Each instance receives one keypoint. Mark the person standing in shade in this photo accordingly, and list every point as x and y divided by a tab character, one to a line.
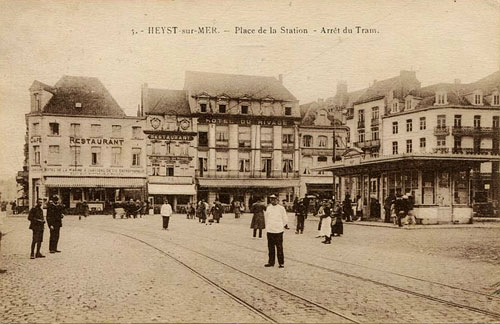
166	212
54	220
37	224
276	222
258	221
337	225
359	208
301	213
347	208
387	208
399	207
2	233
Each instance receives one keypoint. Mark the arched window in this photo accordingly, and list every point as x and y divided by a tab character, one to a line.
307	141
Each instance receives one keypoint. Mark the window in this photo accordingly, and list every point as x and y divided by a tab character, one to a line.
95	130
394	147
394	127
203	107
477	121
457	121
54	154
441	98
221	164
74	129
322	159
116	131
38	103
307	140
441	121
288	138
36	154
116	156
155	169
36	129
496	99
408	104
136	156
361	118
423	124
221	135
203	164
136	132
441	141
478	99
395	106
287	165
244	110
75	155
409	125
54	129
244	136
96	155
202	139
375	133
361	135
457	142
169	170
375	113
184	147
155	148
266	137
244	165
496	122
322	141
409	146
422	143
288	111
222	109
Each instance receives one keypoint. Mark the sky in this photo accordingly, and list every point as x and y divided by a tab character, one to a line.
43	40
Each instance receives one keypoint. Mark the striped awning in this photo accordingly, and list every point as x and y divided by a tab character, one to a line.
88	182
171	189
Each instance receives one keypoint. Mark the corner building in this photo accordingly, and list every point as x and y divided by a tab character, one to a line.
247	129
81	145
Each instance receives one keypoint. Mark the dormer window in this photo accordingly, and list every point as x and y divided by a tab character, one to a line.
441	98
203	107
478	97
288	111
408	104
395	106
38	102
244	110
496	99
222	108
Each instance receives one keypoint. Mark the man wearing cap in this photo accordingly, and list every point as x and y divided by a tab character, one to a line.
276	222
54	220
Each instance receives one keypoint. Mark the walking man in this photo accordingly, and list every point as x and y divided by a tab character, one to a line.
37	224
258	221
276	223
54	220
166	212
301	213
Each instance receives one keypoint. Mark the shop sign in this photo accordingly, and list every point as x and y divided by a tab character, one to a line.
171	137
244	121
95	141
35	139
100	172
352	161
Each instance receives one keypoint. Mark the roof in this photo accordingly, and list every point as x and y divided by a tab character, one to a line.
379	89
308	112
88	91
236	86
166	102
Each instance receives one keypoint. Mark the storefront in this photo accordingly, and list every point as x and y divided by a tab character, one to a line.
439	185
178	195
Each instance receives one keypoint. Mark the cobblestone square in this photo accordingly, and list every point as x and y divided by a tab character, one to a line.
130	270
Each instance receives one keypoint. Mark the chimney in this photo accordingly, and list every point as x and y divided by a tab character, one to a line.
144	95
280	77
408	75
341	88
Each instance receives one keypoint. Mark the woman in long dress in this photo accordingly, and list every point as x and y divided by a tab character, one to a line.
326	223
258	221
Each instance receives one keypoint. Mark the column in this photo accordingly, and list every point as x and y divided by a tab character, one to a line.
233	151
211	151
277	153
255	153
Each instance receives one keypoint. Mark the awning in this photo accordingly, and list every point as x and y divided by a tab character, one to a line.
85	182
171	189
248	183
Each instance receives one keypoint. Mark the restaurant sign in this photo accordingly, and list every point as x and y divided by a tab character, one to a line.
97	172
171	137
95	141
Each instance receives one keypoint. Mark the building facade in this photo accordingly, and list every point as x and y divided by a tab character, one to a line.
82	146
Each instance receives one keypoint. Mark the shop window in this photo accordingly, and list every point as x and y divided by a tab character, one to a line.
116	131
116	156
77	194
54	154
54	129
36	154
136	156
170	170
307	140
461	191
96	155
423	124
75	155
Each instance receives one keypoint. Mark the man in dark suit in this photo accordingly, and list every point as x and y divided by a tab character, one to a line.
37	224
54	220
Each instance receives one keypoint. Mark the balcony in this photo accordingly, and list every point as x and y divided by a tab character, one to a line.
221	143
441	150
441	131
244	144
375	122
266	144
248	175
287	146
368	144
474	131
361	124
475	151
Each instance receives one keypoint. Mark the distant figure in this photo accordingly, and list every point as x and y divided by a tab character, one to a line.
347	208
2	232
301	214
399	207
321	214
326	223
258	221
387	208
37	224
217	210
237	209
54	220
359	208
190	211
276	222
85	210
14	208
411	213
166	212
201	212
337	225
139	207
